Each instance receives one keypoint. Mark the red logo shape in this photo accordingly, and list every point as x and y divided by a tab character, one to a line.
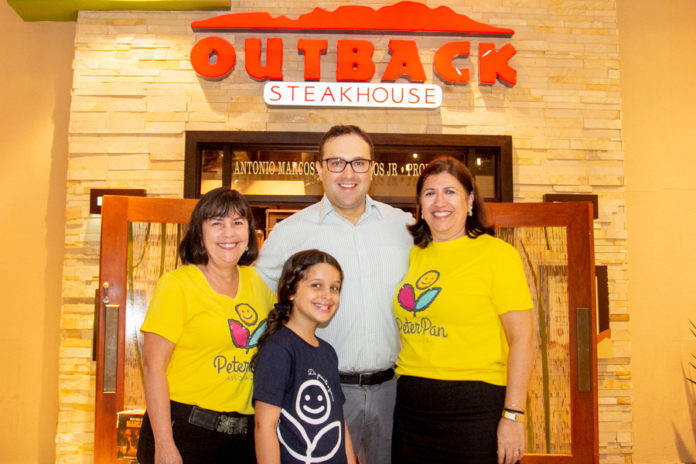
402	17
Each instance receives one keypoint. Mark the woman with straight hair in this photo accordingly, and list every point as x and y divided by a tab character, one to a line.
201	330
463	310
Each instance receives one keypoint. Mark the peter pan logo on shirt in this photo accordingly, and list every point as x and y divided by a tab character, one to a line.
241	337
407	295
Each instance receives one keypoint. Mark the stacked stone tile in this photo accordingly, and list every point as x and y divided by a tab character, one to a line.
135	93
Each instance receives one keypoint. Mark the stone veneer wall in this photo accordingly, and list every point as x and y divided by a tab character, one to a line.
135	93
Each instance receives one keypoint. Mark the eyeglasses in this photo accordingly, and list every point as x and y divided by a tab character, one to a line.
359	165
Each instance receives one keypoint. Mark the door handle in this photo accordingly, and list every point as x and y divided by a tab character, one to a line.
110	346
583	326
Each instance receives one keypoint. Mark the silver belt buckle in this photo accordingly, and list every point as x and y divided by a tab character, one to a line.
360	378
233	425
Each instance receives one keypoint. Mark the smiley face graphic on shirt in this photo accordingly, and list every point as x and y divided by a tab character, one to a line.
312	407
427	280
312	404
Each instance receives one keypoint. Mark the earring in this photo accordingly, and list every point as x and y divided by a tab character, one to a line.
471	212
422	217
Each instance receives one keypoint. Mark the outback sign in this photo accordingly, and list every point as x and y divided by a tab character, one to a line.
213	57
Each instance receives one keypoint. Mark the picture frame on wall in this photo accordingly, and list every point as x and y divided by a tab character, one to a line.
274	216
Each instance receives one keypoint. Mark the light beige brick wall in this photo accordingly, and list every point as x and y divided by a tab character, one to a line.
135	93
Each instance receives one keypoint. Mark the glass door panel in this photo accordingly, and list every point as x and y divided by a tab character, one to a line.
545	259
152	251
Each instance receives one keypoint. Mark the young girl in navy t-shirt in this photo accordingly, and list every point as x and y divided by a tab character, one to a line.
297	391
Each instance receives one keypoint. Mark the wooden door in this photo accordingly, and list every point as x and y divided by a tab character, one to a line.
139	242
556	245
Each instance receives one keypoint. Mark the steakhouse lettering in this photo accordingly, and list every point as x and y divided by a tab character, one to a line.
352	94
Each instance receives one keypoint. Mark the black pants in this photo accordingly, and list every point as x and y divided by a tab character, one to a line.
446	421
198	445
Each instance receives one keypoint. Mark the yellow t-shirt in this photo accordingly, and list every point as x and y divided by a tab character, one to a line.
448	309
215	336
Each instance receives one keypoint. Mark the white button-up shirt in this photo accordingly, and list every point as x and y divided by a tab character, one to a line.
374	257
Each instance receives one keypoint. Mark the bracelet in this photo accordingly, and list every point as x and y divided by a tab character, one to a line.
516	411
513	416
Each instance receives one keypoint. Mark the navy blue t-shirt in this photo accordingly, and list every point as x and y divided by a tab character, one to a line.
303	381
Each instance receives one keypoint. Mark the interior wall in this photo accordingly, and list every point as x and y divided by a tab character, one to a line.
658	85
34	110
135	94
659	96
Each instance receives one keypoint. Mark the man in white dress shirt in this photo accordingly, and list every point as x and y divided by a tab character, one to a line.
370	241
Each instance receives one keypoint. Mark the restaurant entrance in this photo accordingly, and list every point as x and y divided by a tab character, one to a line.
276	172
139	244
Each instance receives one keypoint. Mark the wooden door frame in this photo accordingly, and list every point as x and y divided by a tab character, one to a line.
118	211
577	218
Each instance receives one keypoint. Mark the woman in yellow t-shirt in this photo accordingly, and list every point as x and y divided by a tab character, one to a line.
201	330
463	313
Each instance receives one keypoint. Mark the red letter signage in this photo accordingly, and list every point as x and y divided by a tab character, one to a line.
492	63
404	62
274	58
354	62
443	62
312	52
213	57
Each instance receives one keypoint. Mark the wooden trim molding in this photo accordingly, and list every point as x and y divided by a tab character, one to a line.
66	10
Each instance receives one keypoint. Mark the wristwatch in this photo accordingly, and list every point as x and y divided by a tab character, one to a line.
516	416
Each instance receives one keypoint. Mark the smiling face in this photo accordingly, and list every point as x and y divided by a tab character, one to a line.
225	239
246	314
427	279
346	190
316	299
445	205
312	404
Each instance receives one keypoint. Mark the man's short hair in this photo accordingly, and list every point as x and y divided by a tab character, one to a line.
344	129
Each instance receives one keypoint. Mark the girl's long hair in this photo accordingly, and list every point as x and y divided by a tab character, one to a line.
294	270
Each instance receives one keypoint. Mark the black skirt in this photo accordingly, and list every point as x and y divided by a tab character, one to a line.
446	421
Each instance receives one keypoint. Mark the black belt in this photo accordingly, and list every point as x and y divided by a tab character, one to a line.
367	378
231	423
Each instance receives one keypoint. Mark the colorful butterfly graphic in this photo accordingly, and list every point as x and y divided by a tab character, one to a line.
407	295
241	337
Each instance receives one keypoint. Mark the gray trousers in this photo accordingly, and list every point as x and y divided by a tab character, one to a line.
369	413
